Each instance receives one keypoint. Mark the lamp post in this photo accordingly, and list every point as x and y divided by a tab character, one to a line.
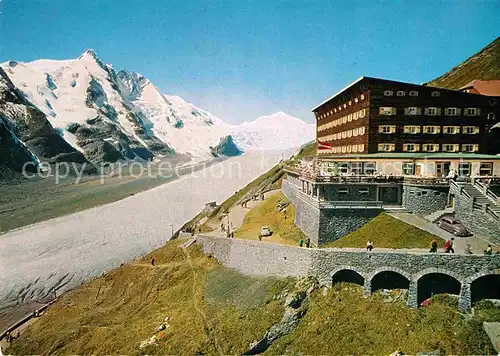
172	231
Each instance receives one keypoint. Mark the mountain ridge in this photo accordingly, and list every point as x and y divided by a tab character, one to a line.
483	65
109	116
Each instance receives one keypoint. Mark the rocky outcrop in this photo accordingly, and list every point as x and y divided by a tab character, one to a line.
226	147
13	154
30	127
295	309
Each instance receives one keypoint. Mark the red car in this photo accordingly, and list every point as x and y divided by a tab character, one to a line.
453	225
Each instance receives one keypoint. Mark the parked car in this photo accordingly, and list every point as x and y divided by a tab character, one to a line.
453	225
265	231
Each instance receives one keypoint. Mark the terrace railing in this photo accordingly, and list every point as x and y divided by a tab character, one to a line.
351	204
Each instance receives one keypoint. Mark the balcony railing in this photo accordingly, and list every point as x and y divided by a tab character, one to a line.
351	204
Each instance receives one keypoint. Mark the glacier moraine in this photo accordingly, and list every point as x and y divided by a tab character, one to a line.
67	251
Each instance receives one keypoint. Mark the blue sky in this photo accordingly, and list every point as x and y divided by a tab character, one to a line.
243	59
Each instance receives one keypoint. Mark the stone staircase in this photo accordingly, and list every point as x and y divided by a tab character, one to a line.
481	200
435	216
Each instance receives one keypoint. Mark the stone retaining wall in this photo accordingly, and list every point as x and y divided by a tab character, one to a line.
324	225
423	201
266	259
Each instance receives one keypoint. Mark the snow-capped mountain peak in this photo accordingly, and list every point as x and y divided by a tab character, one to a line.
275	131
109	116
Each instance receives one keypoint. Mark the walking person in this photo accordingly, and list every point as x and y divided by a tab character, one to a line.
308	242
369	246
434	246
488	250
301	242
452	250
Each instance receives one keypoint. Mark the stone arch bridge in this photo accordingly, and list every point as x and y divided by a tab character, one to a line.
471	277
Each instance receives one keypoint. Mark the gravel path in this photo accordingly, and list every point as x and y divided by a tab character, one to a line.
66	251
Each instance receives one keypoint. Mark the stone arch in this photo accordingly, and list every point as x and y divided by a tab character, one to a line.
349	274
484	285
434	270
433	281
389	278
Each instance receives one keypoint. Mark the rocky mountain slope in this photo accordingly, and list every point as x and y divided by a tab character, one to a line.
484	65
89	113
27	136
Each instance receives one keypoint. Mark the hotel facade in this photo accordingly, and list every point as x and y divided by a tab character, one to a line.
394	146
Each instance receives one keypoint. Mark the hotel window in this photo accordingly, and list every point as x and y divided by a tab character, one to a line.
387	129
369	167
386	147
355	132
451	111
343	134
356	100
471	130
469	147
344	106
350	103
432	111
464	169
388	93
411	147
491	116
362	96
344	119
449	147
385	110
413	93
363	191
408	168
411	129
430	147
435	94
432	129
340	108
361	148
343	191
362	130
362	113
451	130
486	169
349	148
400	93
349	133
349	117
471	112
412	110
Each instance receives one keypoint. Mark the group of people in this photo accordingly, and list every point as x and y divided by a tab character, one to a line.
307	242
448	246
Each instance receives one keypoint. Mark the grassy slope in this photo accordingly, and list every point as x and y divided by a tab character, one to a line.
215	310
343	322
484	65
389	232
284	230
114	313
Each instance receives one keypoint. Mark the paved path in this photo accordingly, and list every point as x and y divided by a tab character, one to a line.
477	244
237	214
